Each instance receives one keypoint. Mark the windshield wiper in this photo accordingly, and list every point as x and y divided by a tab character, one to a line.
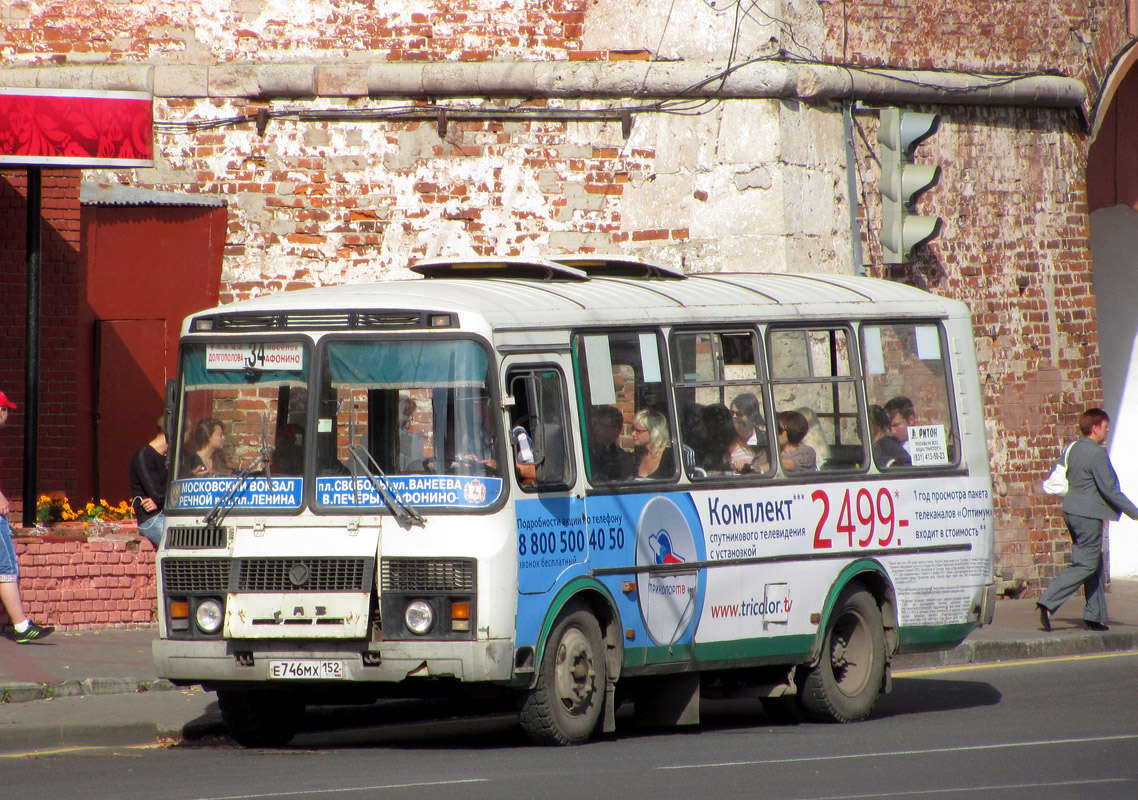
225	502
404	513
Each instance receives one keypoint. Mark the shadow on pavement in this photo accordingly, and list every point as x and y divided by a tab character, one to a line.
922	695
431	724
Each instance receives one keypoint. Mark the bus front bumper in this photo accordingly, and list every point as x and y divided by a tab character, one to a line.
280	662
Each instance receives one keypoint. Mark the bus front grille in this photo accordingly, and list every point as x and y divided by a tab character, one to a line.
185	538
192	575
221	575
304	574
428	575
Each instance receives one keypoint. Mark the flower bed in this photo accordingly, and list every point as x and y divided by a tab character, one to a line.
86	575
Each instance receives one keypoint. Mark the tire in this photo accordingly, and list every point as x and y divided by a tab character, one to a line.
844	685
565	705
261	718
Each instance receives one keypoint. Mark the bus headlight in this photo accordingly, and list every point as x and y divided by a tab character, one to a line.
419	617
208	616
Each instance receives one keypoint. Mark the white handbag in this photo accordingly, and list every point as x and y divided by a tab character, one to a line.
1056	482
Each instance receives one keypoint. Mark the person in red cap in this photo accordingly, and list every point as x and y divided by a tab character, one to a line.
26	630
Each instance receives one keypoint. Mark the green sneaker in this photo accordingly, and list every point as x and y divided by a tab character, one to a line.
33	633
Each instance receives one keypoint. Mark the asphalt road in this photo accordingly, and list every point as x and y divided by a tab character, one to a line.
1042	729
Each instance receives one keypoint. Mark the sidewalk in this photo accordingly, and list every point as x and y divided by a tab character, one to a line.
100	687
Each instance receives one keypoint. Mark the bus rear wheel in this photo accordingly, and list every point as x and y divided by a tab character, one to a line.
261	718
565	705
844	685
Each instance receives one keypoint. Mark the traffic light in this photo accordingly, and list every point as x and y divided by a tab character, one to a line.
902	182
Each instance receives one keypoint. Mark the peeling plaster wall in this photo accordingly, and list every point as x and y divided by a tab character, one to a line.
208	31
701	29
750	184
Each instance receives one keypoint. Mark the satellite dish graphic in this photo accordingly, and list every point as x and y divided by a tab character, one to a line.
667	600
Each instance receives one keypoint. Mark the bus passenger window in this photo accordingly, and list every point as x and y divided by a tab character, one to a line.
907	378
815	395
721	404
621	381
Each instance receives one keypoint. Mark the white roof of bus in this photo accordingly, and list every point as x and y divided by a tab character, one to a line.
534	303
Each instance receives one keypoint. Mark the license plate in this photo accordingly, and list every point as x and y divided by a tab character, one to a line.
306	670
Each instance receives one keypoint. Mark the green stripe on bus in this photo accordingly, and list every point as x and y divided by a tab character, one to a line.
785	649
942	636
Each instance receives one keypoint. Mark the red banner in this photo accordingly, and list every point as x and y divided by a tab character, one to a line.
41	127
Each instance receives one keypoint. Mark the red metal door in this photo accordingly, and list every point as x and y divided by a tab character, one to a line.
131	363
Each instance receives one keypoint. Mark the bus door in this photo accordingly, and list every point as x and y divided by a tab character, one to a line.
553	542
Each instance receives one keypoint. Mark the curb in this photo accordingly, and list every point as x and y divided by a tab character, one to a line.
50	737
26	692
1036	647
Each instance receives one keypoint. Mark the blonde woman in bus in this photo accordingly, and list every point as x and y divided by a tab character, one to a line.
815	437
652	444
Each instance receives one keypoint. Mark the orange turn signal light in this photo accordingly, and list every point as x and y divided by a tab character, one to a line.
460	616
179	609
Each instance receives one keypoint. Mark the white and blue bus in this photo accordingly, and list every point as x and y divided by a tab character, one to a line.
551	478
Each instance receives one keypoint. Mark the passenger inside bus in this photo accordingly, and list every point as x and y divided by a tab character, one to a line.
747	416
207	450
902	414
886	449
815	437
524	464
653	446
795	455
607	461
724	450
411	458
692	437
288	455
482	456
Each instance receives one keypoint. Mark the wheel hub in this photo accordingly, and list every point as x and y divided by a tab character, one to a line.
575	672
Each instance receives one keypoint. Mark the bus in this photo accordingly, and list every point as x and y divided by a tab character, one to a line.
568	482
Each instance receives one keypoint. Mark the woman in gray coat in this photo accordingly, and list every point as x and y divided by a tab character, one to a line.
1093	495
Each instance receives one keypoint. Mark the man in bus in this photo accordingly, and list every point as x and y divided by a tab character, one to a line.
607	461
902	414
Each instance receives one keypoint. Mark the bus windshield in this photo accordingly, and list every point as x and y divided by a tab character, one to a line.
243	411
416	415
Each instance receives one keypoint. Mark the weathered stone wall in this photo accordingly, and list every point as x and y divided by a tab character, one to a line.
728	184
747	185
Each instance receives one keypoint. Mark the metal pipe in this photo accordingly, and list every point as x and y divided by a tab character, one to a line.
851	187
34	257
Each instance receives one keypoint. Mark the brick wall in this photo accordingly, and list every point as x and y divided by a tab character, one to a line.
1022	35
460	30
1016	250
96	583
60	296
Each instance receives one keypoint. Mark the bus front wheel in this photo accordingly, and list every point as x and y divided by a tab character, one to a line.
844	685
261	718
565	705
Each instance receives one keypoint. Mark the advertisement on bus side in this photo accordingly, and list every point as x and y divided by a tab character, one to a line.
731	564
